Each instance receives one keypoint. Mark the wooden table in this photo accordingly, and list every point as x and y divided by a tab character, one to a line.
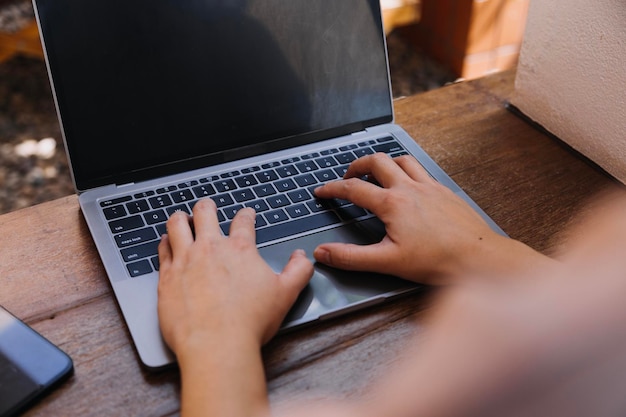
51	276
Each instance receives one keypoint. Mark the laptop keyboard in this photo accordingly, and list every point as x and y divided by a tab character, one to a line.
281	192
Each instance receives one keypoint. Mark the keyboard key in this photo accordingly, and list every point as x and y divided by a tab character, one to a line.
142	267
341	171
135	237
388	147
287	171
210	178
337	202
310	155
246	181
187	184
270	165
307	166
243	195
317	205
385	139
290	160
351	211
230	212
157	216
258	205
137	206
276	216
181	196
264	190
296	211
363	151
277	201
192	203
114	212
326	162
167	189
267	175
285	185
223	200
160	201
155	262
345	158
225	185
326	175
203	190
250	170
296	226
115	201
140	251
230	174
144	194
180	207
305	180
125	224
161	229
299	196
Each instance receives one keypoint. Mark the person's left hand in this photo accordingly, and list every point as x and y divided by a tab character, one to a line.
215	286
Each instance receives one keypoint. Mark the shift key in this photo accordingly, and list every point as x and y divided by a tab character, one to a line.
140	251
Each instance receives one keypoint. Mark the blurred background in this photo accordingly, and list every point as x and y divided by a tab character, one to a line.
430	43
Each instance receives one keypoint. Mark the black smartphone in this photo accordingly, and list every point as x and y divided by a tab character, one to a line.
30	365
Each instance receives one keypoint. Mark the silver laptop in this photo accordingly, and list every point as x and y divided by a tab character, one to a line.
249	102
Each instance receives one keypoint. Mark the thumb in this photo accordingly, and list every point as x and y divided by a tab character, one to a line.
296	273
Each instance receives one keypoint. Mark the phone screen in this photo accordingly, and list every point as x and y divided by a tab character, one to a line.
30	365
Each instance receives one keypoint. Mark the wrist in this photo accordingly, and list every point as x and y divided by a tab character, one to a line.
222	374
499	257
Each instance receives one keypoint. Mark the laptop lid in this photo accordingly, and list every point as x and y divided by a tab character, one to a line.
147	88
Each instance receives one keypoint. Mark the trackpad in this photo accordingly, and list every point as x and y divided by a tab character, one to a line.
332	291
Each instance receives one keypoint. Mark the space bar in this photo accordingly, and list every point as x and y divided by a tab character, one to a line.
295	226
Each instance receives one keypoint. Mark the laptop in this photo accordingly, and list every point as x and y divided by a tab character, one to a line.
249	102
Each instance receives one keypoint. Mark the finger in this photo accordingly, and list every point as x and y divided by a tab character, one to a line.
179	231
242	226
296	274
165	252
362	193
380	166
205	219
353	257
413	169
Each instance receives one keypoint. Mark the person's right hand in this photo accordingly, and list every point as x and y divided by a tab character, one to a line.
433	235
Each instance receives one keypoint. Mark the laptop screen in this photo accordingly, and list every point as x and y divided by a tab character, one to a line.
157	86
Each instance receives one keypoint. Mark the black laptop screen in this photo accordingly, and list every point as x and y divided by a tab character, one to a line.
145	83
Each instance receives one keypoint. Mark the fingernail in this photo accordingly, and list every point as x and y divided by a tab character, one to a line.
322	255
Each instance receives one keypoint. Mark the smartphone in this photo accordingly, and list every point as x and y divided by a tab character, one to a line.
30	365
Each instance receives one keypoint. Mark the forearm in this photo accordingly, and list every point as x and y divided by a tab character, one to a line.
223	377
